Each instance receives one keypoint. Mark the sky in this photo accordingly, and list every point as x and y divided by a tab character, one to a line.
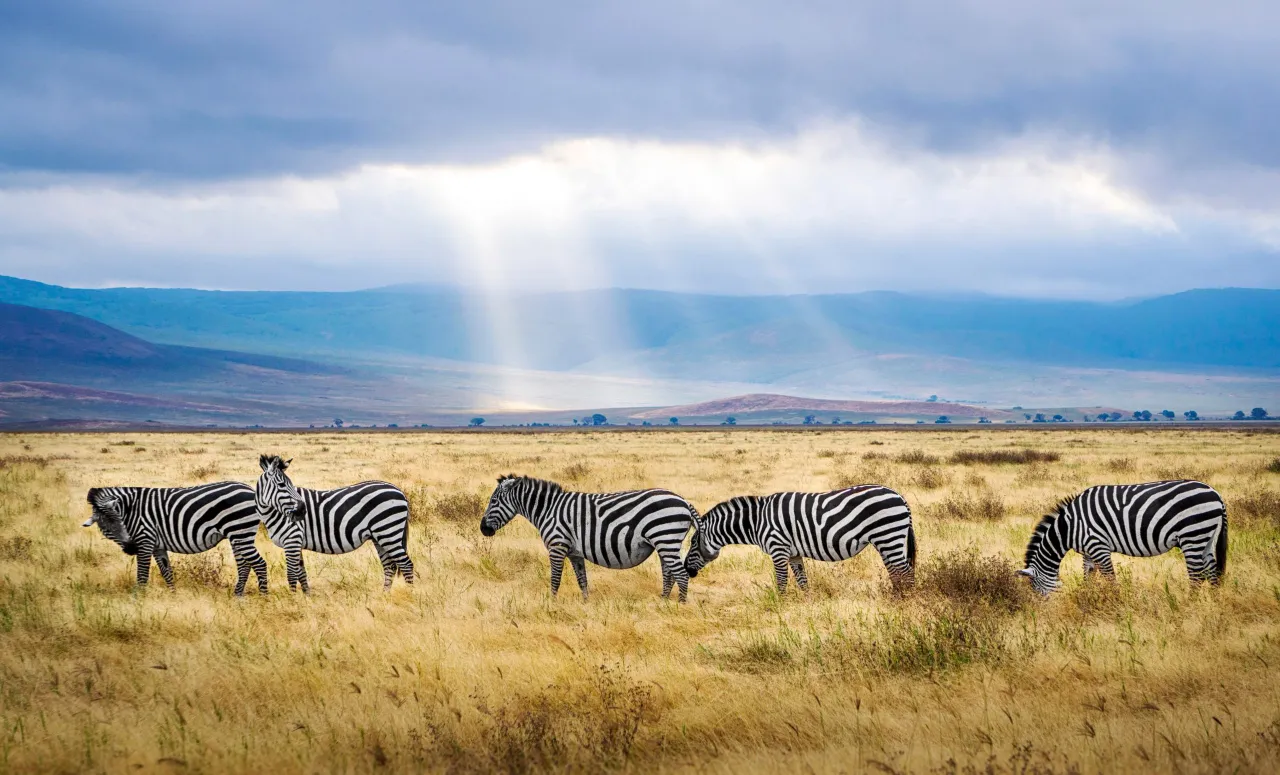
1079	149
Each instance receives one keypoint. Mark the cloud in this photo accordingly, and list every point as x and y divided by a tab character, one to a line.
746	146
834	206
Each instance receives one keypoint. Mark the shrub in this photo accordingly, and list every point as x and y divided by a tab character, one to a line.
460	507
15	548
918	457
1274	466
1260	506
575	472
1120	465
931	478
205	471
980	506
1004	456
200	569
970	579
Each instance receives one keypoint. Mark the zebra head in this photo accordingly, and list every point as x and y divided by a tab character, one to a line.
704	546
502	506
1044	554
276	494
108	515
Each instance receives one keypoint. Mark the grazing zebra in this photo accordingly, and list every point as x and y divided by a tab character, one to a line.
333	521
616	530
1140	520
150	522
829	526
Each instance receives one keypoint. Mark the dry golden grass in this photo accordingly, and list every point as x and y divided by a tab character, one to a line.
476	668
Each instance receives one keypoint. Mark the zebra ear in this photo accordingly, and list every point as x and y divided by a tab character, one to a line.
285	464
90	521
264	462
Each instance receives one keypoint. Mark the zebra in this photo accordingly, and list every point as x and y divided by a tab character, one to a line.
615	530
1139	520
333	521
150	522
828	526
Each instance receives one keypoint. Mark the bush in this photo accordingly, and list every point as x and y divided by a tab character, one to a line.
1274	466
918	457
981	506
1259	506
973	580
203	570
456	507
1120	465
1003	456
931	478
575	472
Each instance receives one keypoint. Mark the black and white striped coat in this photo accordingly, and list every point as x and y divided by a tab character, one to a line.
150	522
615	530
1139	520
828	526
333	521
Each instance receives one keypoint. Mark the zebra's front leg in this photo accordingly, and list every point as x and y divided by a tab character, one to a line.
247	559
797	568
144	565
580	571
780	563
1099	561
557	555
302	571
166	570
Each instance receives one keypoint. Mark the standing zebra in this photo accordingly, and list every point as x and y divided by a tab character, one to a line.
1139	520
150	522
829	526
616	530
333	521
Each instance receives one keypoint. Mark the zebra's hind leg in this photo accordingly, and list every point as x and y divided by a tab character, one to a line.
1201	564
580	571
406	568
797	569
389	566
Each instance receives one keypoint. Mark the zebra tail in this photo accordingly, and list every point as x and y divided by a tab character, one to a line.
1220	547
911	545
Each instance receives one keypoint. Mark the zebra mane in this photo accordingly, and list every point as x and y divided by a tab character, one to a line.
1042	528
547	483
269	460
93	495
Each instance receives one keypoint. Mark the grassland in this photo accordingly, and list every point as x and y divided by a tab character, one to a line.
476	668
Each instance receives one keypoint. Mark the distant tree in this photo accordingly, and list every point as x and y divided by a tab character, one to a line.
337	423
1191	415
1167	414
1102	417
835	420
1146	416
674	420
599	419
1059	418
476	422
1239	415
810	419
1087	418
983	421
1040	417
1027	416
943	419
646	424
731	421
1258	413
933	398
1017	409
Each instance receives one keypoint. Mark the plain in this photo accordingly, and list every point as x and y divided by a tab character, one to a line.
476	668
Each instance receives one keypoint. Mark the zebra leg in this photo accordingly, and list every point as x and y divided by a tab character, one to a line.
673	570
247	558
557	568
144	565
1100	562
898	561
394	559
389	566
780	570
797	569
166	570
295	557
580	571
1201	565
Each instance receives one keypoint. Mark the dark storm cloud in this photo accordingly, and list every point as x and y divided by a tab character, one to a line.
231	89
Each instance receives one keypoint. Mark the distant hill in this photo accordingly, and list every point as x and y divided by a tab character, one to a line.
41	344
631	331
769	404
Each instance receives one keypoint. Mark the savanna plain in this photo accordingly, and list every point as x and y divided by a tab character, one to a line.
476	668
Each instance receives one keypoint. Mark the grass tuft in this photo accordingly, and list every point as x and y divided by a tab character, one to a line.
1004	456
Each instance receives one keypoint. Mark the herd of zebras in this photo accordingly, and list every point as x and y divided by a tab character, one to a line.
621	530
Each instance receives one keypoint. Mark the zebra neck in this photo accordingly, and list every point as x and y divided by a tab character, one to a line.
1057	540
540	508
737	526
